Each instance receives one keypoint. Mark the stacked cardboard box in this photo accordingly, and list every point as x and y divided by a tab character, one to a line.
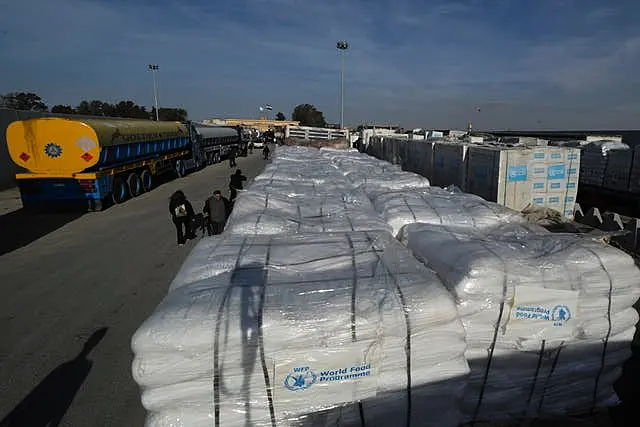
517	177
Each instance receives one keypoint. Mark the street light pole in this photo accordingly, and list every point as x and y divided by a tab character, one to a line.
342	45
154	68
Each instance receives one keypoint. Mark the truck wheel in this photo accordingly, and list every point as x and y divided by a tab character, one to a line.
119	191
147	180
180	171
134	185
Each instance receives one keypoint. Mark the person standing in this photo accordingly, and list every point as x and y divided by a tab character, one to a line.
182	215
217	210
232	158
235	184
265	151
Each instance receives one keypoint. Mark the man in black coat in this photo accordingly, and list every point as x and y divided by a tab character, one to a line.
235	184
217	210
182	215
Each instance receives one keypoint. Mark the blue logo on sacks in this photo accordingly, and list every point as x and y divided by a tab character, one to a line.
52	150
300	379
560	314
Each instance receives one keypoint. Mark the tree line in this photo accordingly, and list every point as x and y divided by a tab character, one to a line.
29	101
306	114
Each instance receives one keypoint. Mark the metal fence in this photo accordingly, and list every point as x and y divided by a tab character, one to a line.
306	132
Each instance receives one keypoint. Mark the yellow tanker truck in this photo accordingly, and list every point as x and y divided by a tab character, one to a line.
97	160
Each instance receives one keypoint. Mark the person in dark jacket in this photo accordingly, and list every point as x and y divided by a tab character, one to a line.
217	210
235	184
265	151
232	158
182	215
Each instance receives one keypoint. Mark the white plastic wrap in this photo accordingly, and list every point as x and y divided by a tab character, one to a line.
441	207
387	181
246	314
548	317
300	188
268	213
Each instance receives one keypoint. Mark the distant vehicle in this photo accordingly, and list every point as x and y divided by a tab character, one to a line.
91	161
212	143
268	137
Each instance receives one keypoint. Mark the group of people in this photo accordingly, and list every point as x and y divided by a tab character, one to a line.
216	210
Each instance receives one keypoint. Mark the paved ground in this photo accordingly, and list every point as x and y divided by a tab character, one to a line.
67	277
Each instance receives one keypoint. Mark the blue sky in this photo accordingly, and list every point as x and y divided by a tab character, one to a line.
525	64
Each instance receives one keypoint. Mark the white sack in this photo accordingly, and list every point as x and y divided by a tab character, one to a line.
485	269
288	299
441	207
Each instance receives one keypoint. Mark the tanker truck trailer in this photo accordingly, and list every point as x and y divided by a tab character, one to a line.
95	160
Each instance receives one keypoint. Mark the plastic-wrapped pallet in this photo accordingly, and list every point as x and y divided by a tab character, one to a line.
548	317
296	154
318	173
440	206
269	213
301	188
296	330
387	181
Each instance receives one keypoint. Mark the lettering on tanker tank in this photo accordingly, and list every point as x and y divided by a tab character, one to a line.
135	137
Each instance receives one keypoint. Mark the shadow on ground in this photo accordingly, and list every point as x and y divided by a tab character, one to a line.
21	227
48	402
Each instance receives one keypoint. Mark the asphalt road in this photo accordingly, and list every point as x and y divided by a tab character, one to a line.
64	278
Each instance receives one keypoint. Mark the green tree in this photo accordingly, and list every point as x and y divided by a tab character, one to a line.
169	114
63	109
308	115
95	108
129	109
26	101
280	116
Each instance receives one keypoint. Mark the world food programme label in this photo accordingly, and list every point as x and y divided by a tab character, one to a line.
323	379
539	313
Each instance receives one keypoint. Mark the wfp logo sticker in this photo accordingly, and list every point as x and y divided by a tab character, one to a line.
560	314
300	378
303	377
52	150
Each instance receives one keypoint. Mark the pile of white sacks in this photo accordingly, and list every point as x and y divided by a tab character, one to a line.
548	317
307	311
